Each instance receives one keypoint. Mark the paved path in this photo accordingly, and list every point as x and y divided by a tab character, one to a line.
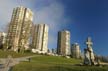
7	63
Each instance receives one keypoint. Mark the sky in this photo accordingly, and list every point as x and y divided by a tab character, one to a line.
82	18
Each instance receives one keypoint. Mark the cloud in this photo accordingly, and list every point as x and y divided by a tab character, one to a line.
49	12
51	15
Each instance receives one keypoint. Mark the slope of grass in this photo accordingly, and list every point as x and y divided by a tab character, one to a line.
4	54
45	63
25	66
55	60
49	63
52	63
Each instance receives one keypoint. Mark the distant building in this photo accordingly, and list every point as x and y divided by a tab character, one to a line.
54	51
2	39
63	44
75	51
19	28
40	38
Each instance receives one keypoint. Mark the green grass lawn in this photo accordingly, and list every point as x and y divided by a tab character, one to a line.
52	63
4	54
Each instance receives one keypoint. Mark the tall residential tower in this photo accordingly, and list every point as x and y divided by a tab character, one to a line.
63	47
40	37
19	28
75	51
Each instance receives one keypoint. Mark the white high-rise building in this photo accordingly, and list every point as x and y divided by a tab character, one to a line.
19	28
40	38
63	45
75	51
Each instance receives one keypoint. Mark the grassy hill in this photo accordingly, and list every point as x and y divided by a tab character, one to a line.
52	63
4	54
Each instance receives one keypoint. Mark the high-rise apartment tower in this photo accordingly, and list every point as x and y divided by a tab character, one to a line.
63	44
75	51
19	28
40	37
